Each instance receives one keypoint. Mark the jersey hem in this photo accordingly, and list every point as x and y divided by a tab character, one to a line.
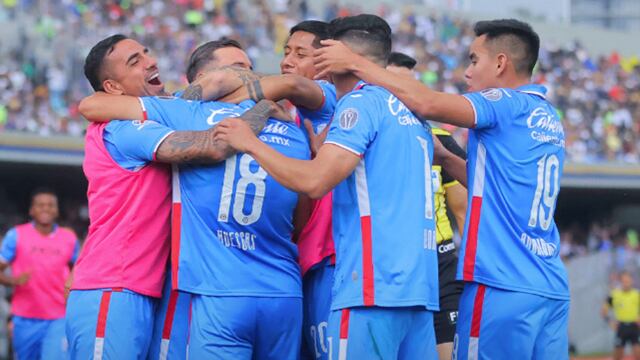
236	293
144	292
431	306
484	281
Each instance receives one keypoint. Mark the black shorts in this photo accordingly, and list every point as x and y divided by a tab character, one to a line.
627	334
450	290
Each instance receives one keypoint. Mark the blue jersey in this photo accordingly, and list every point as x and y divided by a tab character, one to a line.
133	144
383	213
516	152
320	118
232	222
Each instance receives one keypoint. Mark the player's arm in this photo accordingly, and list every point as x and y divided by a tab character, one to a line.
606	306
203	147
335	58
216	84
7	255
295	88
456	198
455	166
102	107
314	177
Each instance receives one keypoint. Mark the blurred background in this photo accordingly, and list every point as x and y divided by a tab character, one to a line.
589	62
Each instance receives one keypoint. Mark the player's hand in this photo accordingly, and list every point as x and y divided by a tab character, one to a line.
333	58
21	279
315	140
236	133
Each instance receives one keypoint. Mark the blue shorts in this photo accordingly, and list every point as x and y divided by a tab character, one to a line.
499	324
171	325
382	333
39	339
316	304
109	324
230	327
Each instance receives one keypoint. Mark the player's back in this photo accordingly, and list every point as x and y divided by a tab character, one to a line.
383	212
236	221
515	163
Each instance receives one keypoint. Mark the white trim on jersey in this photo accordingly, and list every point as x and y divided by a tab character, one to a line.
362	189
344	147
155	149
478	177
342	352
98	348
534	93
475	113
175	185
473	349
164	349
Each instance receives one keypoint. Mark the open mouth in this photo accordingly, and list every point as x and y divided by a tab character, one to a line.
155	80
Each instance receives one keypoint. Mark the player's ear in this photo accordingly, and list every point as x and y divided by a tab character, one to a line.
112	87
501	63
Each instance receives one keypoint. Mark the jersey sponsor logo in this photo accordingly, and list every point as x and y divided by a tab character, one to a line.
166	97
491	94
538	246
542	120
444	248
211	120
348	118
276	128
274	139
398	109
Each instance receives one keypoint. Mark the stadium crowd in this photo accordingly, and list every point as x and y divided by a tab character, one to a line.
41	85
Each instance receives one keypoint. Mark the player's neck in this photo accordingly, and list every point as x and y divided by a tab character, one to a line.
44	229
514	82
344	84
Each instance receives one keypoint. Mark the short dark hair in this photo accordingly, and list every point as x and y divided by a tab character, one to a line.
402	60
204	54
318	28
94	61
370	33
519	40
42	190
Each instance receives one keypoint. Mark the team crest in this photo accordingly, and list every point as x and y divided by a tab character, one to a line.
348	118
492	94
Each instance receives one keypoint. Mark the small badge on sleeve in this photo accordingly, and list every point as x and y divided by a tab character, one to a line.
492	94
348	118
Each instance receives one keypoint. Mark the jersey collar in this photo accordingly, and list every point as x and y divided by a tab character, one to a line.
359	85
534	89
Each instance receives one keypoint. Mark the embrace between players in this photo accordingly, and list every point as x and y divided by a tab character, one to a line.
209	257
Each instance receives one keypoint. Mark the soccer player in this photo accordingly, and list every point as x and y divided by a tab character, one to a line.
516	285
119	274
625	303
385	283
315	244
448	193
252	235
40	254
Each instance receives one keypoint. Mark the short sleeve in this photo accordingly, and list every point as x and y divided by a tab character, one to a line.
325	112
355	125
134	143
490	106
9	245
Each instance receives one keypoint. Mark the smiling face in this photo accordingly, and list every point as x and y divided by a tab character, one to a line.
130	69
44	209
298	55
481	73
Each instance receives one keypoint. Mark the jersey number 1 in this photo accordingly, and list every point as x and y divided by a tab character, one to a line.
247	177
546	192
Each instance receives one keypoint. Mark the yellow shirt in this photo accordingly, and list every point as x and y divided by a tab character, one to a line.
443	225
626	305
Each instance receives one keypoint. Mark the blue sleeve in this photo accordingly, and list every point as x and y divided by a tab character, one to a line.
133	144
355	125
490	106
172	112
76	252
9	244
325	113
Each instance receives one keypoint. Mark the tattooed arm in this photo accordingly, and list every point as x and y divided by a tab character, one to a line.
220	82
201	147
297	89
